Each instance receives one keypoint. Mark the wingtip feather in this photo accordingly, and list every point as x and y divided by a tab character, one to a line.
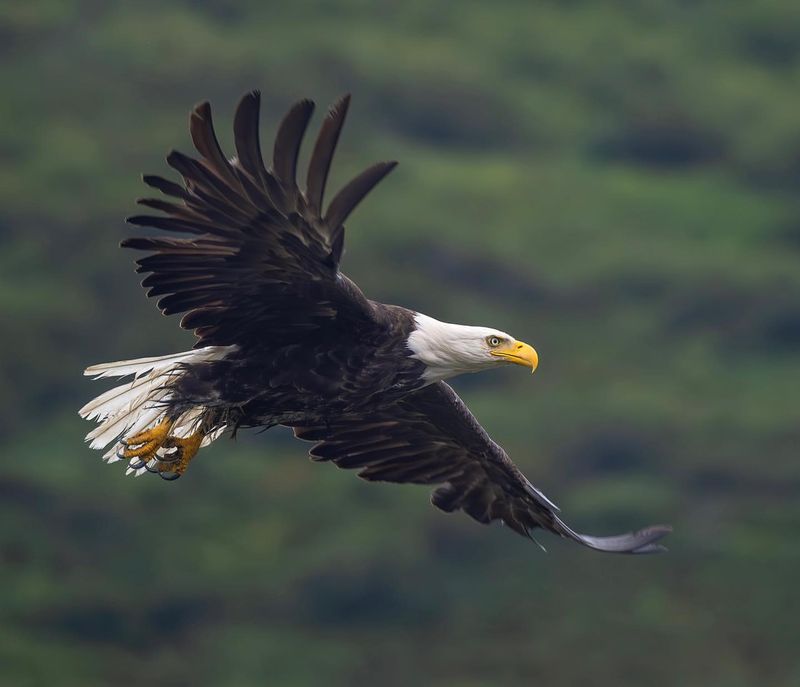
355	191
639	542
322	156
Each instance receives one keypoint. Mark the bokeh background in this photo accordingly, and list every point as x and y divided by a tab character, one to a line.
615	182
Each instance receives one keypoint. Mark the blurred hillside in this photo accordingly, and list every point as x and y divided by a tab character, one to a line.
616	183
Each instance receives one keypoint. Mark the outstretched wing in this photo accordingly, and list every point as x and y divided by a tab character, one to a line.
430	437
262	260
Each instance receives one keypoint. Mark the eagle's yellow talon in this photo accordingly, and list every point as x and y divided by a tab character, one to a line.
162	453
155	449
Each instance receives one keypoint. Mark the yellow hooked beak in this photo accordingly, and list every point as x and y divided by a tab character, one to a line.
518	353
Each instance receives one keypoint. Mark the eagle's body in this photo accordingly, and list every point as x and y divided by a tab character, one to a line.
348	370
285	338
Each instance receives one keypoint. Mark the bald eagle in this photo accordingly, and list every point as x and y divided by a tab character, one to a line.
285	338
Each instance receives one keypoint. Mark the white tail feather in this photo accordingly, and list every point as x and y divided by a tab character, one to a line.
134	406
123	368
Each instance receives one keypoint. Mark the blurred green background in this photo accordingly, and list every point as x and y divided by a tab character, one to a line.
616	183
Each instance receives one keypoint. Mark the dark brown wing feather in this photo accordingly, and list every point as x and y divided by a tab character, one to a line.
321	158
430	437
261	252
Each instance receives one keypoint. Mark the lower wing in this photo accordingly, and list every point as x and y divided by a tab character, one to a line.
430	437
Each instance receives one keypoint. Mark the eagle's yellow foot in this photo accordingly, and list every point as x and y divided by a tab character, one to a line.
159	452
177	455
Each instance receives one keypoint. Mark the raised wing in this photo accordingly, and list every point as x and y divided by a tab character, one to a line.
430	437
262	260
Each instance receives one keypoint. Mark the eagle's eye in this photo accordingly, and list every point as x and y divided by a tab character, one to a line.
493	341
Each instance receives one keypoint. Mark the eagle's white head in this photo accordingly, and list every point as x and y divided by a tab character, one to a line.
453	349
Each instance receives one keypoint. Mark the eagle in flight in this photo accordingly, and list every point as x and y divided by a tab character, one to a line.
285	338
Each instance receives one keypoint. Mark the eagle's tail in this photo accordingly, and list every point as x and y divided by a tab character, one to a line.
139	414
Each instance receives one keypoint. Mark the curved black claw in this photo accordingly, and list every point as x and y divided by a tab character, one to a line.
138	465
168	476
152	469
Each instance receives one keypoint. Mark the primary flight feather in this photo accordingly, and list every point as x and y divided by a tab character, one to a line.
285	338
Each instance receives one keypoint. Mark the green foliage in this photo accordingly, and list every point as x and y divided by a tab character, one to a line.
613	182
